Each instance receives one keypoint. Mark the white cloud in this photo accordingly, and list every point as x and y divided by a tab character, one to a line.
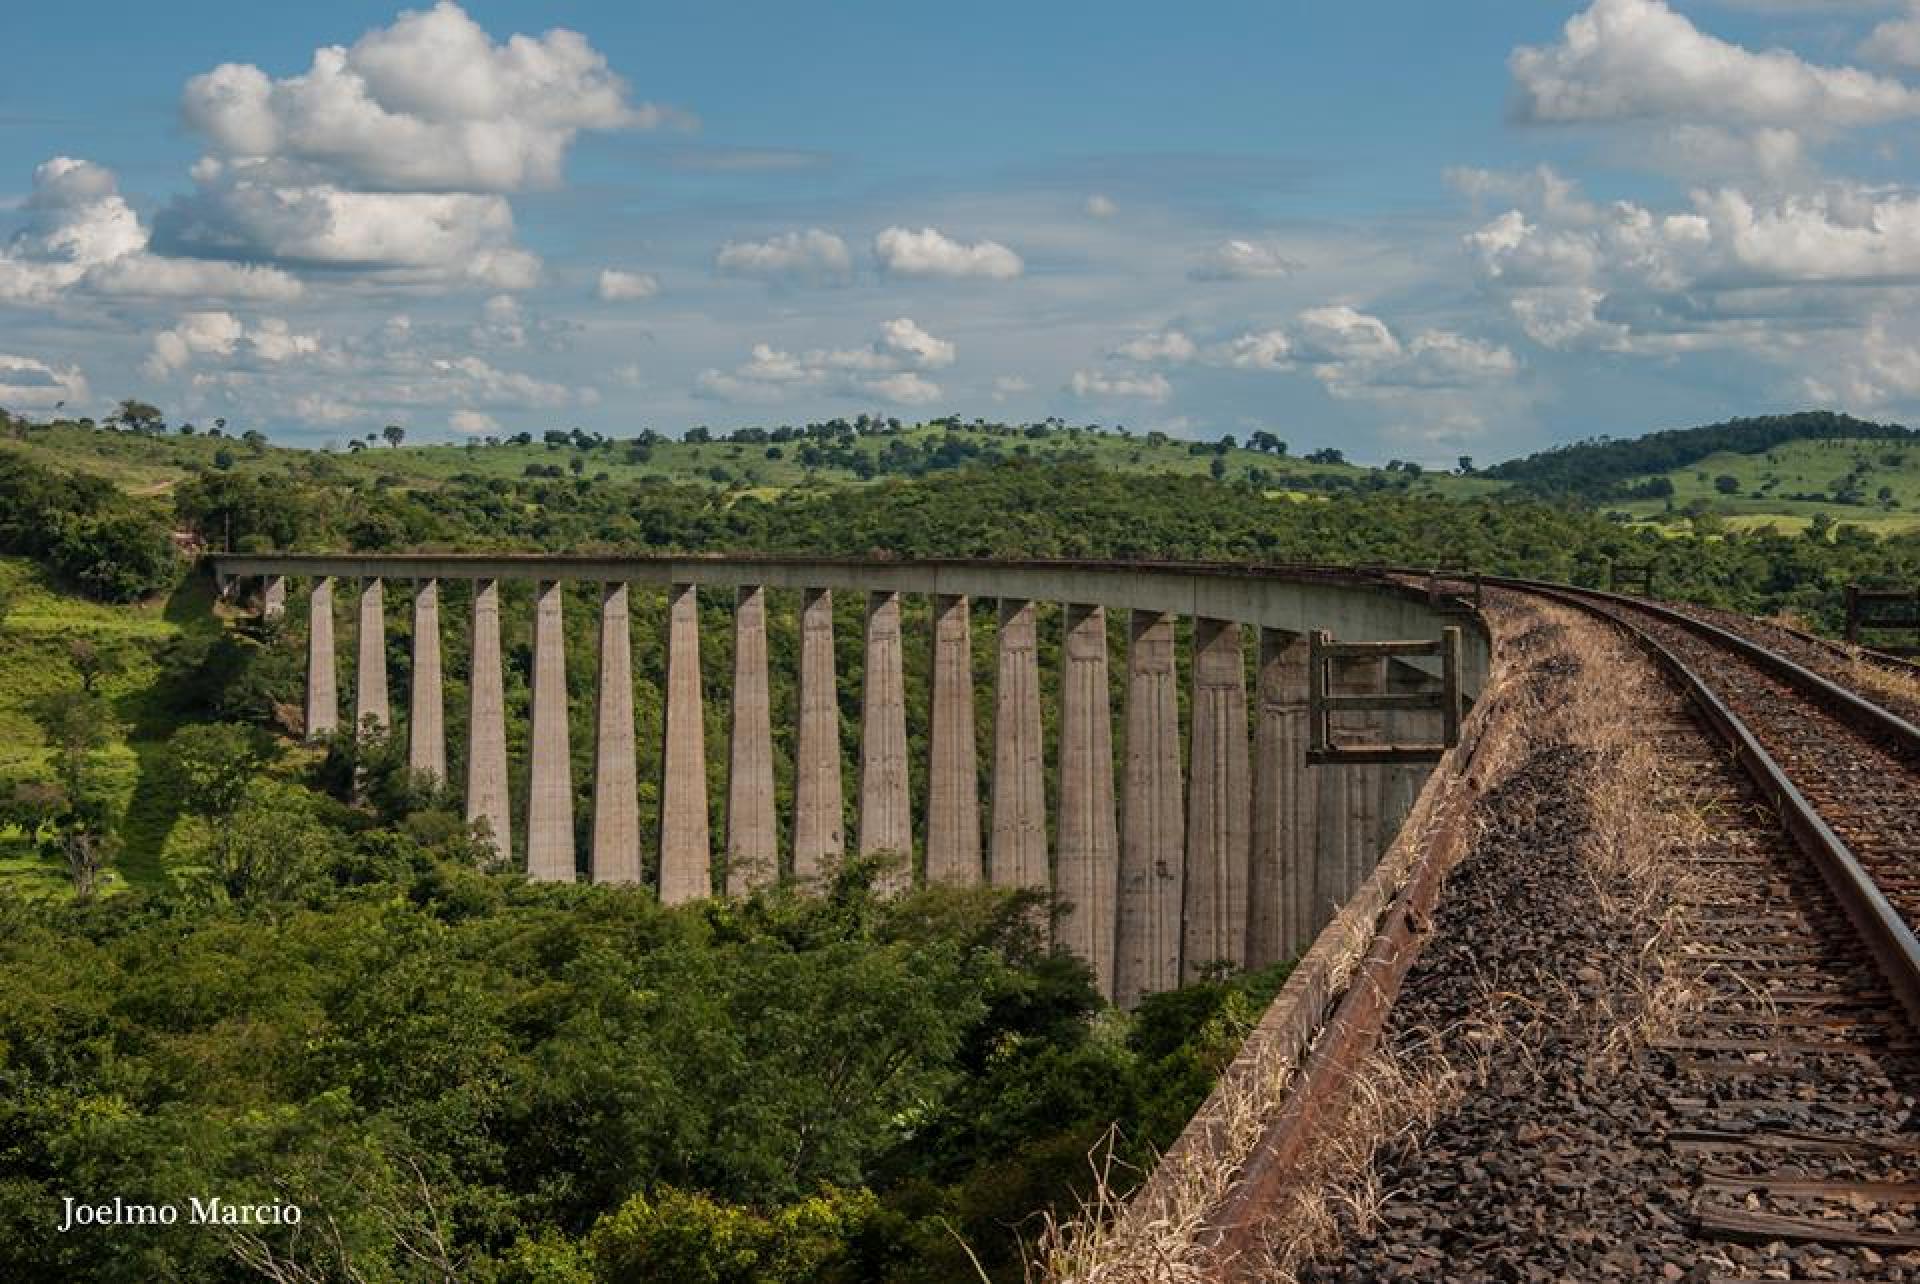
905	388
1339	333
1099	206
1005	386
930	252
1638	59
472	423
615	286
903	338
1240	260
1102	385
813	256
427	236
221	334
429	104
1259	350
393	155
30	384
889	369
1896	41
1159	345
82	235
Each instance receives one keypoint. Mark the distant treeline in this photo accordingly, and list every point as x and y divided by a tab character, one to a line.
1600	468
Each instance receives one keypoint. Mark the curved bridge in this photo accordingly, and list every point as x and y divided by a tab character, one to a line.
1232	851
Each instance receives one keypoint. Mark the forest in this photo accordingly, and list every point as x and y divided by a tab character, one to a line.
280	972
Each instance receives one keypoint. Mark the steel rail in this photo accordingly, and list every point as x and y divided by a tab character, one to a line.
1887	937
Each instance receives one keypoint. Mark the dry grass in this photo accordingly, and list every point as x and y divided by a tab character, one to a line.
1638	836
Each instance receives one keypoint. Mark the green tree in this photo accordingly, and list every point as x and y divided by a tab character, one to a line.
394	434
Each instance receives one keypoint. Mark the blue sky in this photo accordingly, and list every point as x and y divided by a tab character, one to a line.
1409	230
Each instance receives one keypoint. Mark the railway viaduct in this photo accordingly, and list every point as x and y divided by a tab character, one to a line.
1240	856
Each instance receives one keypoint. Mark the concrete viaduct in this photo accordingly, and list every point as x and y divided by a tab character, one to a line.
1240	859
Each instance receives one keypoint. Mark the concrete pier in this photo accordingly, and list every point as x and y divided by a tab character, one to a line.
370	667
1087	874
1285	801
1152	832
886	812
426	705
487	797
752	854
550	784
1017	854
323	691
686	848
1241	863
615	857
1219	807
953	771
818	809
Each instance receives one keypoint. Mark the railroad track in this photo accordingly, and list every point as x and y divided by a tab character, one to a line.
1796	1074
1776	1120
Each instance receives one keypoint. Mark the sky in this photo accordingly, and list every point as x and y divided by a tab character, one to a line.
1407	230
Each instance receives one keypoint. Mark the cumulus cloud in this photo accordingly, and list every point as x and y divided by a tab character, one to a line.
1159	345
472	423
1239	260
1896	41
1100	385
429	104
813	257
394	154
903	338
1259	350
1639	60
1355	354
223	335
30	384
1627	277
615	286
81	235
1005	386
889	368
424	236
1099	206
932	253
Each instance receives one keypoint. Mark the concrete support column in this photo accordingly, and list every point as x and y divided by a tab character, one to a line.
323	691
1219	810
686	848
1017	856
1285	794
616	780
953	770
550	788
1152	832
487	797
818	842
886	811
370	670
273	598
1088	870
1349	801
426	707
752	857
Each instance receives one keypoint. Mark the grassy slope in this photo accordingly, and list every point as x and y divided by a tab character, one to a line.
34	664
1801	467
